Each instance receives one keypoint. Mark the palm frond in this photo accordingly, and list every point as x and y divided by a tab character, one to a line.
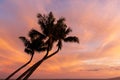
62	19
25	40
51	18
68	30
59	44
35	34
40	49
50	43
28	51
71	39
39	15
42	20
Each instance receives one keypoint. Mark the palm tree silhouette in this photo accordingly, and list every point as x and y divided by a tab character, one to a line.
35	43
55	32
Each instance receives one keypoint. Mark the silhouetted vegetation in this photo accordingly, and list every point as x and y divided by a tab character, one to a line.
36	43
53	33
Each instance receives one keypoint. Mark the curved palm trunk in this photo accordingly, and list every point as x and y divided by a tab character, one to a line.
34	67
38	64
19	68
25	73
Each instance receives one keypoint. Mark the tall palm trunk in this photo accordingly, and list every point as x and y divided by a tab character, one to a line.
34	67
19	68
27	71
37	65
39	62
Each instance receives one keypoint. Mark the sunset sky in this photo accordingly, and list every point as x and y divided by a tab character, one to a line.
95	22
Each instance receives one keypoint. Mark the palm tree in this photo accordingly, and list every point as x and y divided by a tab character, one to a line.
35	44
56	33
45	22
